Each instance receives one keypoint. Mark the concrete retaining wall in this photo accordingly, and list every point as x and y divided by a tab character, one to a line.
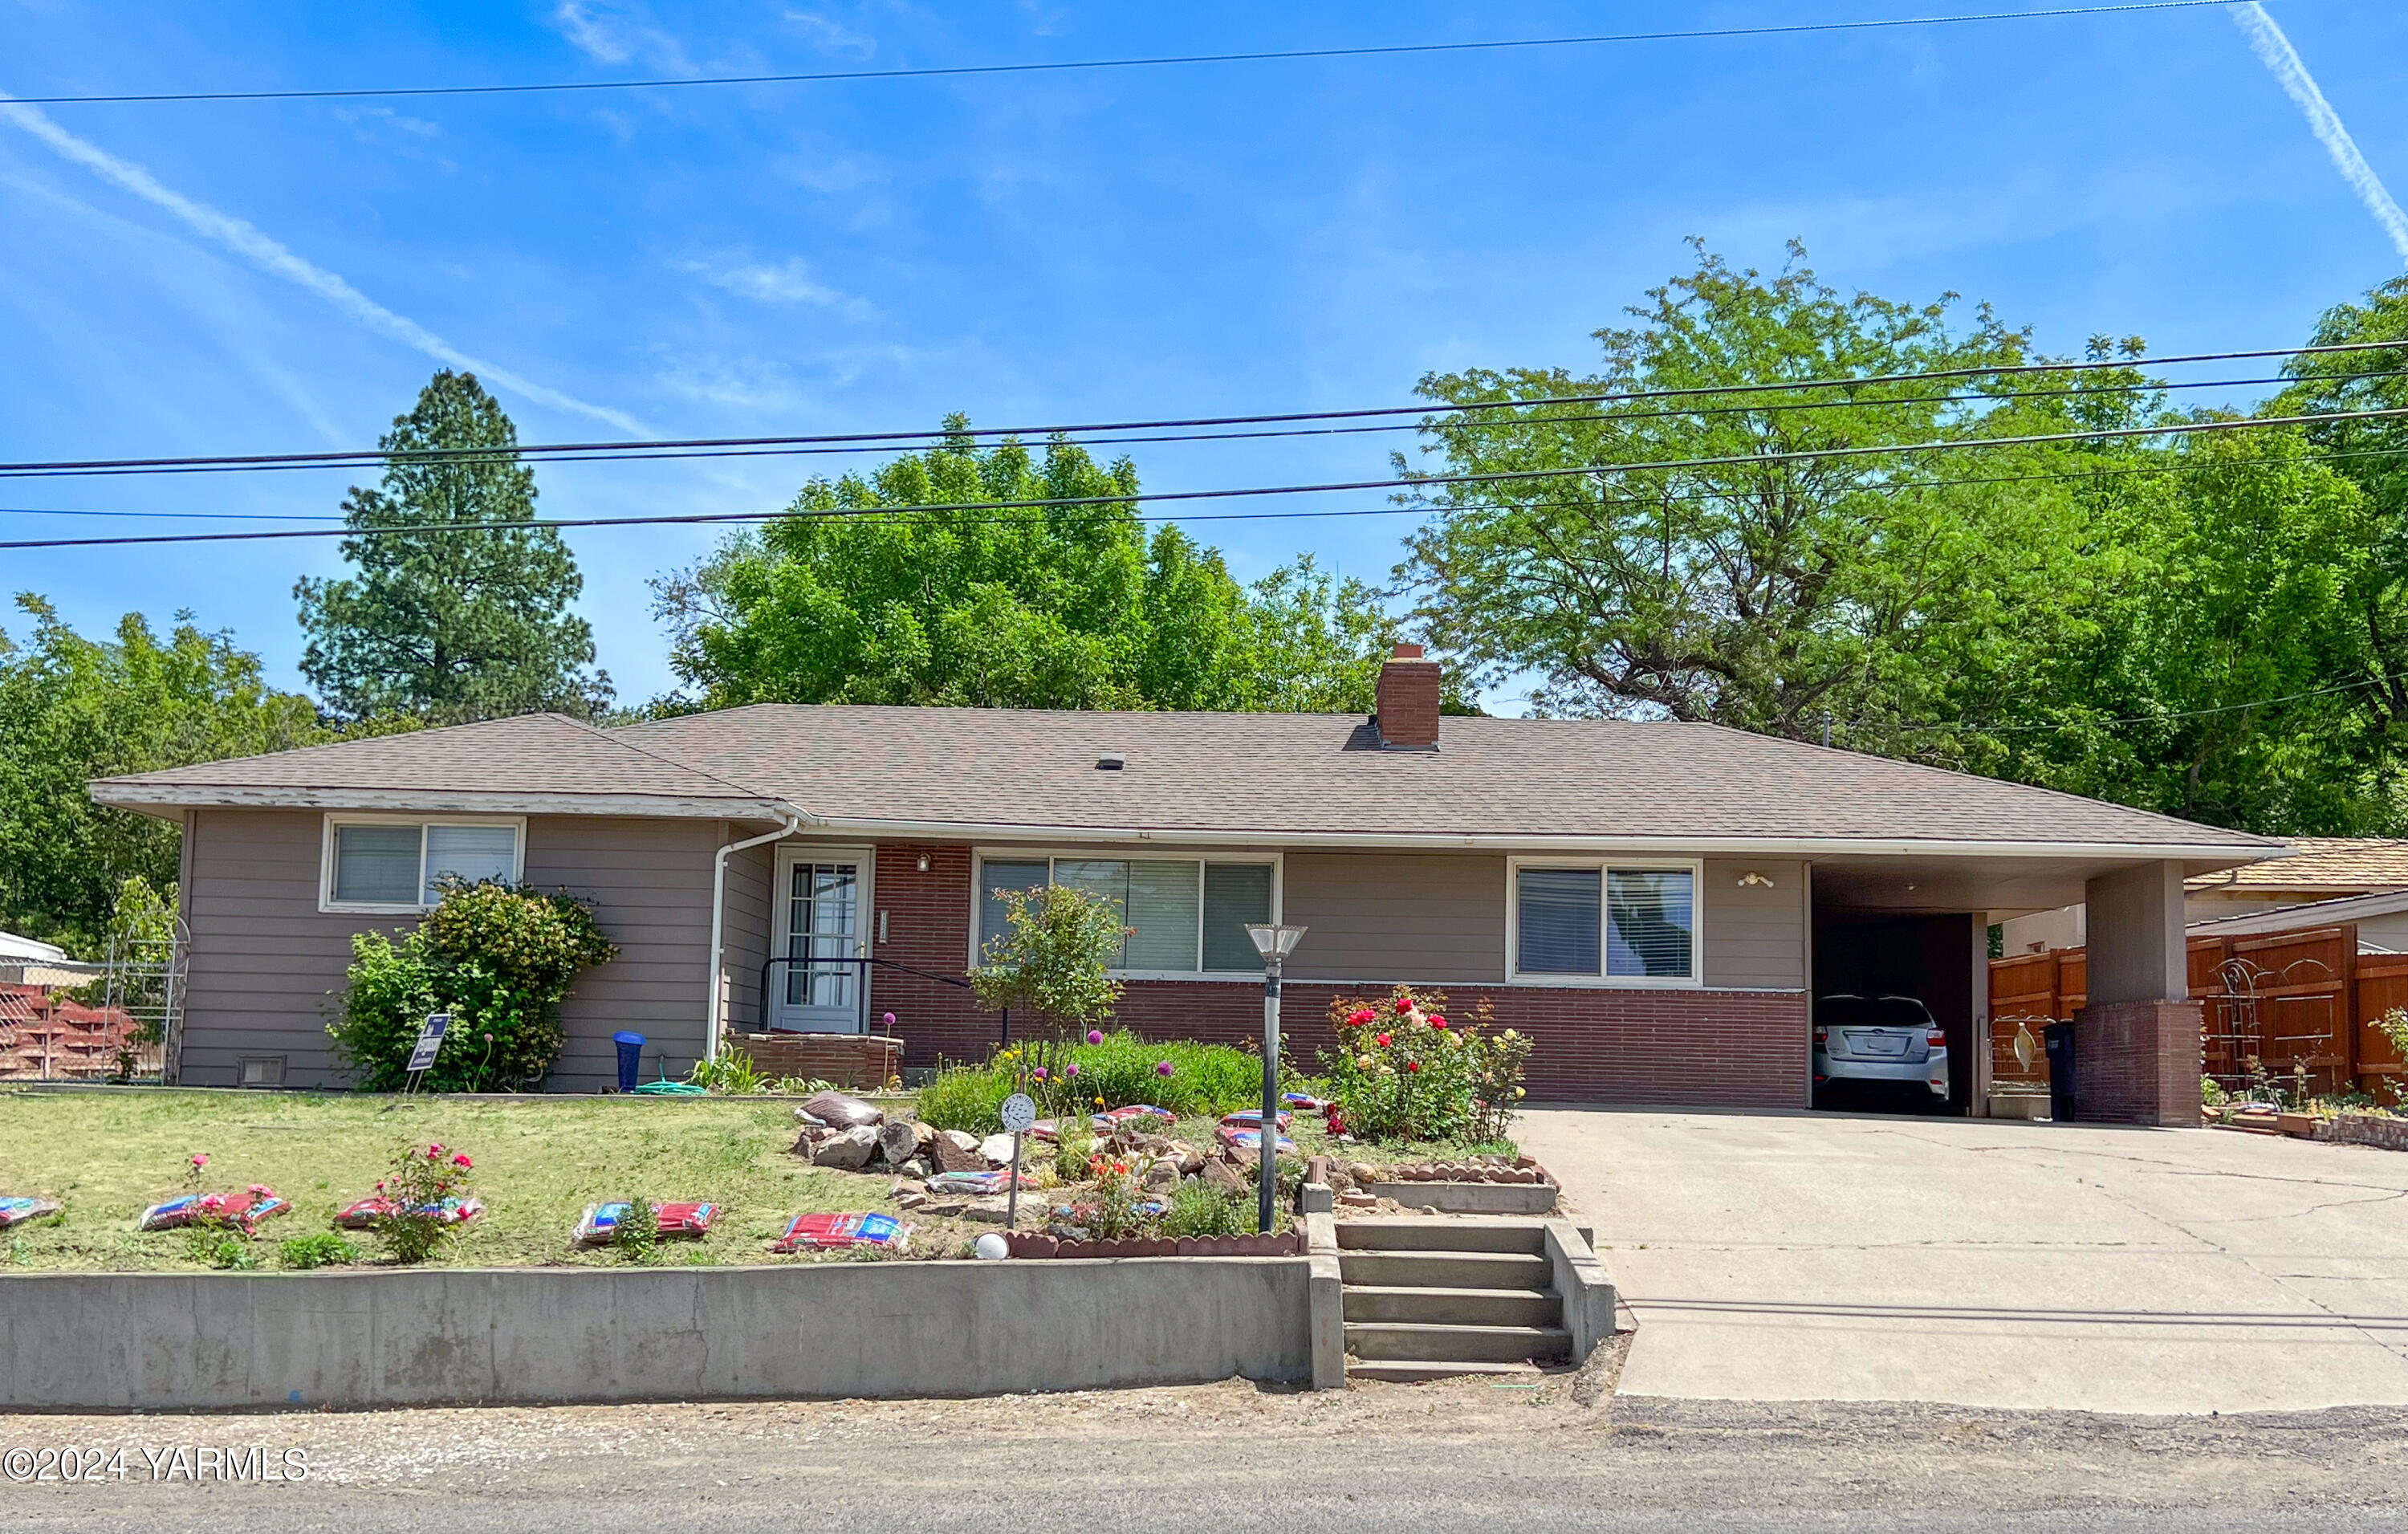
208	1341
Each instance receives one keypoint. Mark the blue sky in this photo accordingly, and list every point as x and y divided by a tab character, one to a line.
1030	248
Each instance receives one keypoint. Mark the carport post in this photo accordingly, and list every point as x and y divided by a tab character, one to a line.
2137	1051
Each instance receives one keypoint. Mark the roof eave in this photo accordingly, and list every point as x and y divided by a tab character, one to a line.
152	798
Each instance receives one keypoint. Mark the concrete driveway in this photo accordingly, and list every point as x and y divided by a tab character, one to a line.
1797	1257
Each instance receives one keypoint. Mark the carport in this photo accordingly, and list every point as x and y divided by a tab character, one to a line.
1914	923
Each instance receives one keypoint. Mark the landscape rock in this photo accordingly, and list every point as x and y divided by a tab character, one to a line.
948	1153
841	1110
925	1133
897	1143
962	1139
1162	1174
1363	1171
849	1151
917	1167
997	1149
1220	1174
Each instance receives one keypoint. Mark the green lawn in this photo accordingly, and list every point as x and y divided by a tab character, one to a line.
110	1155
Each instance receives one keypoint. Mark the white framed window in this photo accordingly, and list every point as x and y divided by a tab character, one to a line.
1595	921
1186	915
397	865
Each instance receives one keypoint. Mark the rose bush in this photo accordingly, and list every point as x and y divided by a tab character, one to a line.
1405	1071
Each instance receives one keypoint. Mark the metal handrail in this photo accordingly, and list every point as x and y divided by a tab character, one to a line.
957	981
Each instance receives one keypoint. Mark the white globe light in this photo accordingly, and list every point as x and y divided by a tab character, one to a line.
992	1247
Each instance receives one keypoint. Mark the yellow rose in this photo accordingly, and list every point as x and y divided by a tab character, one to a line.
1519	1092
1362	1062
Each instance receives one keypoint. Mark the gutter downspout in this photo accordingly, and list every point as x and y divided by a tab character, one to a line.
789	822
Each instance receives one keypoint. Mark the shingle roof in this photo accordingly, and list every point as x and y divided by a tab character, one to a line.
1273	775
1291	774
2354	864
533	754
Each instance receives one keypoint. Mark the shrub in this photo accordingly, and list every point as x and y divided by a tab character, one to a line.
1119	1067
638	1235
327	1248
1406	1071
498	958
732	1071
1199	1209
412	1223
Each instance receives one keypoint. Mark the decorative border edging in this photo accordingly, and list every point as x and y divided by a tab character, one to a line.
2386	1134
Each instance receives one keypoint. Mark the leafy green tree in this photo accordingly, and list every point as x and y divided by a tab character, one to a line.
1055	956
464	622
74	709
1059	607
1756	589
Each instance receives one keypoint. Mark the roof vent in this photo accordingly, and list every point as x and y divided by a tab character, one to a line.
1111	761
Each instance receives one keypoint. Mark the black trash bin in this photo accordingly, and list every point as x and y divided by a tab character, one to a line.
631	1058
2059	1037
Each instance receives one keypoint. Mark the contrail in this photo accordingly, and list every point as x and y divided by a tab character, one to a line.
272	256
2282	58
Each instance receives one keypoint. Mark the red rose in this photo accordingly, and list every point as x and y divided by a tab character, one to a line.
1412	1064
1382	1041
1404	1005
1362	1017
1437	1021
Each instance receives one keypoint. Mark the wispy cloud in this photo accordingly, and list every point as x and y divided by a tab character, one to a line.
2276	52
789	281
273	257
830	35
613	33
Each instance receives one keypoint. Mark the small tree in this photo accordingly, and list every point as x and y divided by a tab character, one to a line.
1055	957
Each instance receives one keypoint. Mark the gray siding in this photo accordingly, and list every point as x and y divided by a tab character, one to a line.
1755	937
1392	916
267	967
748	932
651	882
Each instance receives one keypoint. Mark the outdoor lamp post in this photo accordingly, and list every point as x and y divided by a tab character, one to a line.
1275	943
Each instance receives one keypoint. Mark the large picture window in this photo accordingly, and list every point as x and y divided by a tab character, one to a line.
401	866
1636	925
1184	915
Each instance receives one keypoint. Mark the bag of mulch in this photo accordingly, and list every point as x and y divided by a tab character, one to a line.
1250	1118
241	1210
836	1111
1304	1102
599	1225
827	1232
1136	1112
976	1184
452	1210
1248	1141
16	1209
685	1219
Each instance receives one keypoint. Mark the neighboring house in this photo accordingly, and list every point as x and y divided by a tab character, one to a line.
2381	920
1653	902
2317	868
27	961
46	1035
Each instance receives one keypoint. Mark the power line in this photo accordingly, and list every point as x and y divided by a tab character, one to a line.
1410	483
726	446
1058	66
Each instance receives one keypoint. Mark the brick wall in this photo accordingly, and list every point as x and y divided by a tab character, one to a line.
2137	1062
850	1060
1715	1048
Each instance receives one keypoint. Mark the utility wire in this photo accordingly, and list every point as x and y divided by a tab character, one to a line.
945	71
1410	483
1481	422
676	447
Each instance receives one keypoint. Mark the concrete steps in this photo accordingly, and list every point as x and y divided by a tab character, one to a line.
1427	1300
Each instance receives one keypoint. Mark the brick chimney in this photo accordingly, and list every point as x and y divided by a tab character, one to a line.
1408	701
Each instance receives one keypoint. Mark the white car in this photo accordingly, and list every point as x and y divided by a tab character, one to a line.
1879	1039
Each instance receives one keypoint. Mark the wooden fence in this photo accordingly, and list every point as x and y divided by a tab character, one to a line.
2278	1004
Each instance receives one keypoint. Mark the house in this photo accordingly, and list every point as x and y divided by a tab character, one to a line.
1654	903
46	1034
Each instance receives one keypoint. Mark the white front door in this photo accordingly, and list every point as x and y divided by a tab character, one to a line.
823	916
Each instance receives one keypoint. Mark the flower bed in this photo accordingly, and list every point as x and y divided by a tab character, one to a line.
1031	1243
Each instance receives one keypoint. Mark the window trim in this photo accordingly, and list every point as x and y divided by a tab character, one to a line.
1276	862
328	905
1694	981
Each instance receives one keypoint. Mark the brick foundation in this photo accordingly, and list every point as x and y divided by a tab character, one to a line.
862	1064
2137	1062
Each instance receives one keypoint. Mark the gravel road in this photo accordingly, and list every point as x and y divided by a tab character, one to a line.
1459	1455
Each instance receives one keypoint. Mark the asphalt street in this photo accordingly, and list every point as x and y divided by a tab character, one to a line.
1231	1456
